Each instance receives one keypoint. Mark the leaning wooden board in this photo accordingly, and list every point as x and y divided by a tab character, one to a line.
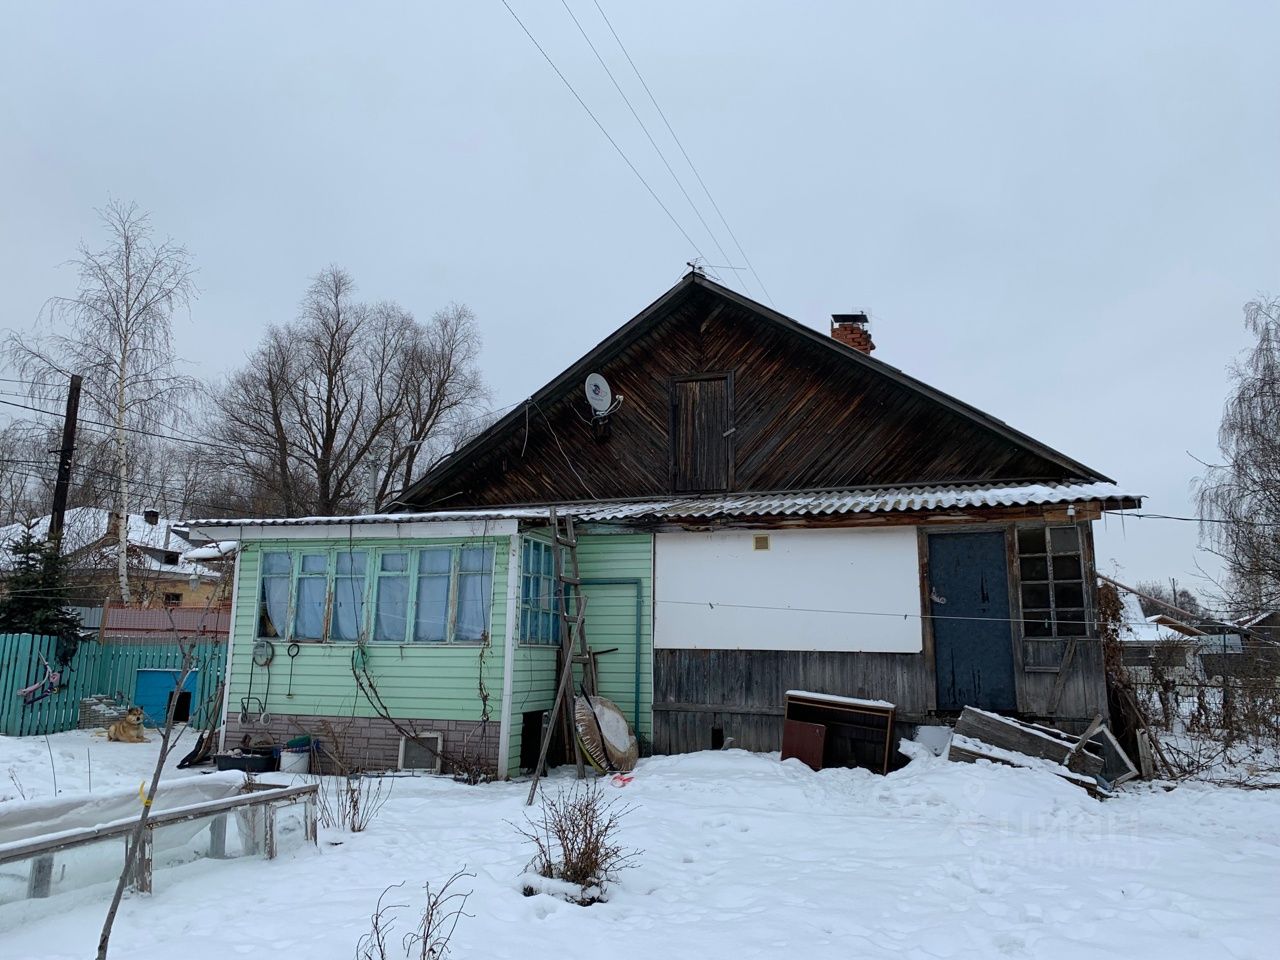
1029	739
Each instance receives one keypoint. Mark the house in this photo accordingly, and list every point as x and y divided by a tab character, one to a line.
159	574
761	507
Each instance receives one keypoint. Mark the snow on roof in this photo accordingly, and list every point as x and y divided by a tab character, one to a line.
220	550
836	698
898	499
88	527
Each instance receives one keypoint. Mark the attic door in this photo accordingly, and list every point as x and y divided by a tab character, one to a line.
701	434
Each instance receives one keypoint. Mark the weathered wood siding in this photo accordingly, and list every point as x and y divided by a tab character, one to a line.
440	681
805	416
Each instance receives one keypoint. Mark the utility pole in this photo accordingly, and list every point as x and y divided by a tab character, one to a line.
63	484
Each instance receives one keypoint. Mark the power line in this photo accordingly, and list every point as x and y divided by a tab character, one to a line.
596	120
1165	516
653	143
684	153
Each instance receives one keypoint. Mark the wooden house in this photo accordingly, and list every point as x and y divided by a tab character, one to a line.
767	508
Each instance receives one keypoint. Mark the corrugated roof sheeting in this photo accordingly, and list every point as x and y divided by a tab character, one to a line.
903	499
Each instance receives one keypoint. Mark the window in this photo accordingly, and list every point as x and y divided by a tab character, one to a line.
538	604
273	605
313	586
391	615
351	567
1051	569
172	599
435	594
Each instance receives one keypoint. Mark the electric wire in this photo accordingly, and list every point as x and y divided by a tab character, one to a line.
644	127
596	120
685	154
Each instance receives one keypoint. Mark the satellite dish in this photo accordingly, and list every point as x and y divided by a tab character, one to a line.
598	394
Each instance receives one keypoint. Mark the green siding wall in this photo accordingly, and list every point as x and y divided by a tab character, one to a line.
416	680
611	622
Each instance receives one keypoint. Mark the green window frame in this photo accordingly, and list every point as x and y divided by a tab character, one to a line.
438	593
1051	572
539	603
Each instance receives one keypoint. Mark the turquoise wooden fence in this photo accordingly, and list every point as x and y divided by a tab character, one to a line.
107	667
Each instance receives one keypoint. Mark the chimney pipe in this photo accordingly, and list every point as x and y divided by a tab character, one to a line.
853	330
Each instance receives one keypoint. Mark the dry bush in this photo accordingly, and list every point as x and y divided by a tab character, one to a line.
350	802
431	938
575	835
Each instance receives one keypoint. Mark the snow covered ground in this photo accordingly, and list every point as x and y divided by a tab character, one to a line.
743	857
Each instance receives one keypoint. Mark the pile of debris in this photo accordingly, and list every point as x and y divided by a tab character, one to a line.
1093	761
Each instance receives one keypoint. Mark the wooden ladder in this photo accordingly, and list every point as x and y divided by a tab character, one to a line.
574	649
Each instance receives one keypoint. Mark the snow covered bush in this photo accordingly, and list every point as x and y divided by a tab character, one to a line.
577	853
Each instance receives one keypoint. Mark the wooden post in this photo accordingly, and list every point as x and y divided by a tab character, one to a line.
140	880
309	815
269	830
63	483
218	838
41	879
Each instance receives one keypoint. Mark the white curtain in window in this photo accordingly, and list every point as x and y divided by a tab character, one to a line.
475	589
391	616
308	623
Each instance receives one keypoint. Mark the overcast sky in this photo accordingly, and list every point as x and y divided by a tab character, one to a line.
1052	212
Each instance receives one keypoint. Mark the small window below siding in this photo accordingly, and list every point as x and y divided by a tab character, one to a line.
1051	571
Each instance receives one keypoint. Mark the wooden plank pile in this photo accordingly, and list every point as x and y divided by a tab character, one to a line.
1093	761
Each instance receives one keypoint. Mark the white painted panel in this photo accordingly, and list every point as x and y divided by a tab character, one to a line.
841	590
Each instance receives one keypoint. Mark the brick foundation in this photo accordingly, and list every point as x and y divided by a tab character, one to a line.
368	743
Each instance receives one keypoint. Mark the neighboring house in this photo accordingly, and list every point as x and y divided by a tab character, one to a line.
768	508
159	574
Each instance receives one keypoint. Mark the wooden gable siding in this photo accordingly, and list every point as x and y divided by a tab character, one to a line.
805	416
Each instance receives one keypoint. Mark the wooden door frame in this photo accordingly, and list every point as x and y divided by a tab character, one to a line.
727	377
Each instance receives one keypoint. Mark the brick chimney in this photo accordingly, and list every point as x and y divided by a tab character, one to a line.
852	329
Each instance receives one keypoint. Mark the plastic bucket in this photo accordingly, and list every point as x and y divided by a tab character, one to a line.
295	761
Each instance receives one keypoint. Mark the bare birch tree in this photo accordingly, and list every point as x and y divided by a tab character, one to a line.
346	394
116	332
1239	498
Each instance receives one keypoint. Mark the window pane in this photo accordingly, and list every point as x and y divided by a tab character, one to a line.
1034	568
309	620
391	619
1064	539
436	560
395	562
1035	595
276	561
315	563
1031	540
431	621
474	591
1036	623
1067	568
1071	623
348	608
1068	594
475	559
354	561
274	607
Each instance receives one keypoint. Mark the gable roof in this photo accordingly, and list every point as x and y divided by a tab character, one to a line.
1052	466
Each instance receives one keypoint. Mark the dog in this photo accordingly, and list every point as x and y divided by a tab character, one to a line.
128	729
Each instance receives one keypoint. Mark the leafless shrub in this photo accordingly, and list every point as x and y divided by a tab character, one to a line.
440	916
576	843
373	945
17	784
430	939
351	802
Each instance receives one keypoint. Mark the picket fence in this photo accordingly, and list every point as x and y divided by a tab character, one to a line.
107	666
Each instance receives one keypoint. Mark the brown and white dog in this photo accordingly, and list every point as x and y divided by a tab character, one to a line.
128	729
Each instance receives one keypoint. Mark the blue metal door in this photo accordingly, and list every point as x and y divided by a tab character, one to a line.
969	600
151	693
